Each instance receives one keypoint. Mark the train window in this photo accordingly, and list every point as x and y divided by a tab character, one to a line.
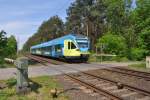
73	45
58	48
83	44
48	48
69	45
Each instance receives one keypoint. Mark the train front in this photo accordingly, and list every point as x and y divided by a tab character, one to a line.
83	46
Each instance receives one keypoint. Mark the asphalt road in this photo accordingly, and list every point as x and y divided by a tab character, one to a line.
40	70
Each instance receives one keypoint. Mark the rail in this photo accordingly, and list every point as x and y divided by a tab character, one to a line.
112	81
88	85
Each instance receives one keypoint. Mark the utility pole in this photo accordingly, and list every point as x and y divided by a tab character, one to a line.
17	46
87	29
101	53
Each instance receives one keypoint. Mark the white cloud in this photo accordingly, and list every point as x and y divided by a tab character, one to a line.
23	17
21	29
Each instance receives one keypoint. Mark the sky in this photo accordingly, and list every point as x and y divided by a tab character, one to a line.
133	4
22	18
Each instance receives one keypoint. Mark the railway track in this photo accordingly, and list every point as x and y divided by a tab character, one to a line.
133	73
51	61
128	72
72	77
106	87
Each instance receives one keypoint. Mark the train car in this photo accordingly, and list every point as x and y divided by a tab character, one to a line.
71	46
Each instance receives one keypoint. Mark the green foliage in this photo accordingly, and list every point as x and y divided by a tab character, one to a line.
48	30
137	53
8	47
116	15
3	43
11	82
142	24
3	40
11	49
113	44
46	84
96	18
121	59
145	39
139	66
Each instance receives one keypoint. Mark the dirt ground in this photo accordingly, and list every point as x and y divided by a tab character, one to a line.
80	93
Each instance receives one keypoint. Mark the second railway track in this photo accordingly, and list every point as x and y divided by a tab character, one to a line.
101	85
133	73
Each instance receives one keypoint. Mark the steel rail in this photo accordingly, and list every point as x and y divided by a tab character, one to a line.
136	71
112	81
128	73
88	85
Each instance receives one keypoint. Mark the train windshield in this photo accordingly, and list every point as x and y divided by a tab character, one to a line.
83	44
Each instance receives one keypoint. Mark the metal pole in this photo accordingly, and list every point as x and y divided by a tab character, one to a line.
101	53
17	46
87	27
96	54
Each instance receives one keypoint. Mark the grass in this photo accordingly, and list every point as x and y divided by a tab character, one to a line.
11	65
107	59
140	67
40	90
7	65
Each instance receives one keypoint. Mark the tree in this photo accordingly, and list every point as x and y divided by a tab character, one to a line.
129	26
113	44
3	43
87	17
11	49
3	39
50	29
142	25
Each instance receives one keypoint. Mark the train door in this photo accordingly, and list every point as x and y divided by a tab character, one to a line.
53	51
69	48
66	47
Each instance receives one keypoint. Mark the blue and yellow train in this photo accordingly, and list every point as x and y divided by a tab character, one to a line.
71	46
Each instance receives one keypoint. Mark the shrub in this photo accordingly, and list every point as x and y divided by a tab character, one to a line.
137	53
113	44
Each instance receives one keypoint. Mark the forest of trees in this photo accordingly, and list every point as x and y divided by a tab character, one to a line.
50	29
8	47
121	28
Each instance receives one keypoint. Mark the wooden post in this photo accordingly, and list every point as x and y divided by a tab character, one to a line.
22	75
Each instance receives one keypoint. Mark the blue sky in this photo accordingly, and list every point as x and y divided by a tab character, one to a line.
23	17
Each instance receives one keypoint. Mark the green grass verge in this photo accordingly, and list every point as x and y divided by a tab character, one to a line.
140	67
107	59
6	65
41	90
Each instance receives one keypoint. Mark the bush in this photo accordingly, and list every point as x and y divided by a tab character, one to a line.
1	61
113	44
137	53
121	59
